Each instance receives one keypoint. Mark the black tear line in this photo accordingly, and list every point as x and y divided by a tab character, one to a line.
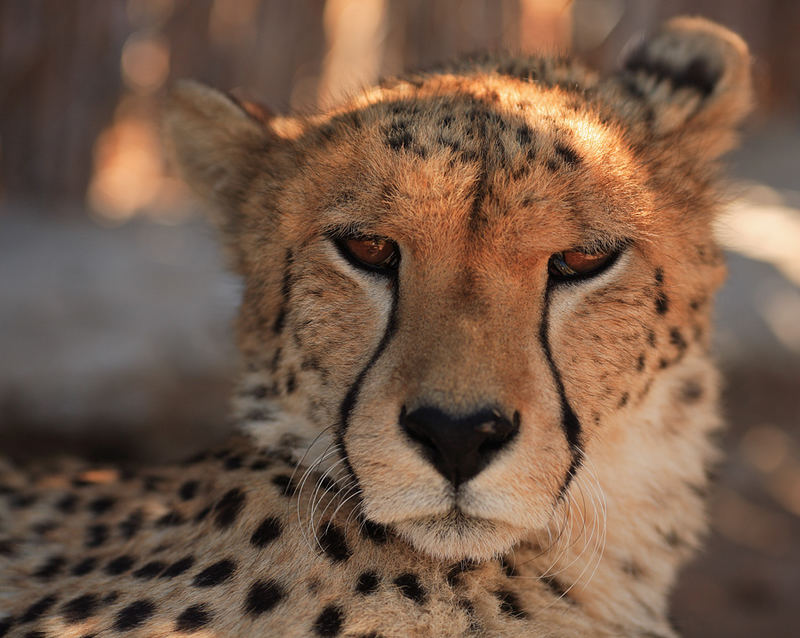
569	420
350	399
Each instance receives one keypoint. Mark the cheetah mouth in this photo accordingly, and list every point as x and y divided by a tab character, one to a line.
457	535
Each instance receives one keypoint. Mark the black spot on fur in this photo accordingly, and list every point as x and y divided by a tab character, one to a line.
291	383
80	608
178	567
508	568
119	565
285	483
367	583
662	303
215	574
374	531
193	618
259	392
651	338
259	414
329	622
262	596
5	626
632	569
691	391
152	482
677	340
38	609
524	136
134	615
150	570
659	276
228	508
21	501
567	154
398	137
202	514
131	525
453	145
410	587
333	542
268	531
170	519
101	505
35	634
554	586
84	567
67	503
640	363
188	490
233	463
673	539
456	570
328	484
260	464
50	567
623	400
510	605
44	527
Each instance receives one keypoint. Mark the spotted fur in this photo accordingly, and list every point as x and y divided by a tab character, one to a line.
325	518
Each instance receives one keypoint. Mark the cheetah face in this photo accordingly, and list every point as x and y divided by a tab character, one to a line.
462	289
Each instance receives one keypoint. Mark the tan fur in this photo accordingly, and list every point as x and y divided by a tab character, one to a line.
479	172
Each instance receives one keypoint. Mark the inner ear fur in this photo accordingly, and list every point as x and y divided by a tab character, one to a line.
692	76
215	142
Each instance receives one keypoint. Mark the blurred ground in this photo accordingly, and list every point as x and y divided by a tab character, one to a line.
117	344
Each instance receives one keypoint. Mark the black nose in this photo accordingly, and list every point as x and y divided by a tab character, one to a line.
459	448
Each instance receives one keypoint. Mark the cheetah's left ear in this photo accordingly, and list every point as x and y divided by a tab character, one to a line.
692	77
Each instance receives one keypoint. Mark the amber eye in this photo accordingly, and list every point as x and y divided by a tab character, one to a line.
374	253
575	264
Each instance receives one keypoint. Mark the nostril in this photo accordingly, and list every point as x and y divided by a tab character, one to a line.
459	447
420	434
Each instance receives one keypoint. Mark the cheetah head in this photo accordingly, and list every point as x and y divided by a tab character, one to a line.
468	293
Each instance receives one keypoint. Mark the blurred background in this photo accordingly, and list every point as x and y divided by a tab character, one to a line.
115	308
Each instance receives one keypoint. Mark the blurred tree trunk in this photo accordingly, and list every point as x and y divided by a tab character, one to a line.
59	82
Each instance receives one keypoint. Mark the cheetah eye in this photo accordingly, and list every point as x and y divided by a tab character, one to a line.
376	254
573	265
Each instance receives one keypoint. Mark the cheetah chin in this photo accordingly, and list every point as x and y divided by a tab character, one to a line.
476	391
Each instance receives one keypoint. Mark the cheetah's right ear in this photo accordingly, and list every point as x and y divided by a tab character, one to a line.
693	77
219	142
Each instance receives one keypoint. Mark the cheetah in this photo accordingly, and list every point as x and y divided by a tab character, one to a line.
476	395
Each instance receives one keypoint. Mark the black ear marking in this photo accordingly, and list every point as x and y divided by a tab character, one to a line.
699	73
691	72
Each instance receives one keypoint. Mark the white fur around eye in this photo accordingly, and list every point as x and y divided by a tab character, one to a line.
565	297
